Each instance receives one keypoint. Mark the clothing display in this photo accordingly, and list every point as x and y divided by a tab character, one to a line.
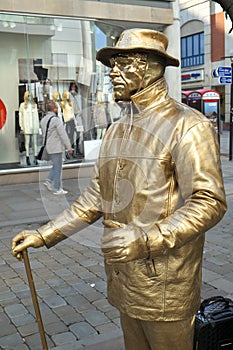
29	124
29	118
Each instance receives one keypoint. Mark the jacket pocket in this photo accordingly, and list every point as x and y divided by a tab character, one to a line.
150	267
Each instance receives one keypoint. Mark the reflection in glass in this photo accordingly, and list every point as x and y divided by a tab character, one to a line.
45	56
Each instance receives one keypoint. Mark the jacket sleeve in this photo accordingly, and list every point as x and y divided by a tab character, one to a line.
84	211
21	120
62	133
199	178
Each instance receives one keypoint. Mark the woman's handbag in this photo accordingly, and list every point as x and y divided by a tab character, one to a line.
43	154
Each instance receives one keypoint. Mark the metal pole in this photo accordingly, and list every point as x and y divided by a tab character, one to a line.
34	299
231	116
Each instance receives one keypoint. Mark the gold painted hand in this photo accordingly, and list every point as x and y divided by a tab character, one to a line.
26	239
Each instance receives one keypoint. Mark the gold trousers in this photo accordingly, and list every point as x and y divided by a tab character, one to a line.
157	335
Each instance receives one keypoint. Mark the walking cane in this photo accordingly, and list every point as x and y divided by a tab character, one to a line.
34	299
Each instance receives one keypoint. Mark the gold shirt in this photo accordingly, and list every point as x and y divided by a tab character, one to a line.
159	170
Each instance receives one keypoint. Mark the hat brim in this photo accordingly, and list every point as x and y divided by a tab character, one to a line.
104	54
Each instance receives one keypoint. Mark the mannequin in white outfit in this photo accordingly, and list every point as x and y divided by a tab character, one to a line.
29	124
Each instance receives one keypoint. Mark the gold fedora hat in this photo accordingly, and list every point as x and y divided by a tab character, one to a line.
138	40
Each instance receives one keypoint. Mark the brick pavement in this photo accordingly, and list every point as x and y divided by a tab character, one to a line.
70	279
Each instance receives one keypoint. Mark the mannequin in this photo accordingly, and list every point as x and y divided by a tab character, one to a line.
68	115
29	123
56	98
73	89
99	115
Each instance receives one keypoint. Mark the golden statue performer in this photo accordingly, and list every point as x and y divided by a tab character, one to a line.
158	185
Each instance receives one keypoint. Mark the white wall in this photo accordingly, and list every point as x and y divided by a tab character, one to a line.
13	47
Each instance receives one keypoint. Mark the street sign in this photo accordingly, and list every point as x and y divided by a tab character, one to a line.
224	80
222	72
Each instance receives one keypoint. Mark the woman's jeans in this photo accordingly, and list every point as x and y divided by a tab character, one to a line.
56	170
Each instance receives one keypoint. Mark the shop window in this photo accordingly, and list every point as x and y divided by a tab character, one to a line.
43	59
192	50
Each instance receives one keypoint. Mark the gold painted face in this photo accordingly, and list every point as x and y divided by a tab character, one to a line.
155	69
134	71
127	74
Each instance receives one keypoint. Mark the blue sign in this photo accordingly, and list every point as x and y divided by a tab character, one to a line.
224	80
222	72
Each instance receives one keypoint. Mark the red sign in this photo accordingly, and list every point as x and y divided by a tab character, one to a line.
2	114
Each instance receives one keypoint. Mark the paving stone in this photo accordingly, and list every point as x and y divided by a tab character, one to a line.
3	318
50	318
7	296
13	341
78	301
93	295
20	321
103	305
82	287
97	340
34	342
64	338
54	301
95	317
65	291
113	344
72	346
6	329
28	329
55	281
63	272
68	315
82	329
101	286
8	302
223	284
107	327
54	328
117	321
26	301
45	292
44	309
16	310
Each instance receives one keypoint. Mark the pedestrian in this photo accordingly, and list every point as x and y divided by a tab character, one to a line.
57	141
158	185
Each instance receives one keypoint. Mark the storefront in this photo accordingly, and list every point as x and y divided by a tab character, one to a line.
47	47
206	101
42	59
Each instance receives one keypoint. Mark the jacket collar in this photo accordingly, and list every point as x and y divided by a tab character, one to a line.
151	96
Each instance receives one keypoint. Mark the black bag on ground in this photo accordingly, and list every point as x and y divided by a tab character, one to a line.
214	325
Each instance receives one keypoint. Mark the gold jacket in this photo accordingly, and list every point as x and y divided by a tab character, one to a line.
158	169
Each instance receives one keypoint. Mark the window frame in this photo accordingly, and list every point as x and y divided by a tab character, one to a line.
192	50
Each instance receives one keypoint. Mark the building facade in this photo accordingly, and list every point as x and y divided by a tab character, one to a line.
49	46
206	48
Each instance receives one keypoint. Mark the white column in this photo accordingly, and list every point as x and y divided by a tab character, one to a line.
173	74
